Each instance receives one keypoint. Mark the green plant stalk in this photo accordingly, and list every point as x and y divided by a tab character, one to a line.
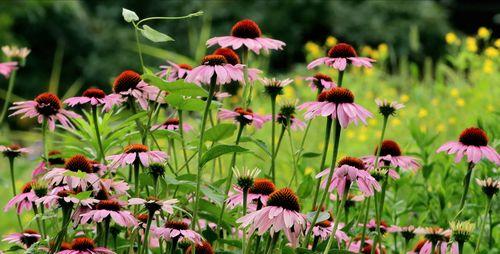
12	176
12	80
483	223
380	211
243	239
294	160
278	145
38	223
326	142
97	133
106	230
336	143
173	247
183	142
200	149
273	138
136	177
338	214
174	153
467	179
194	14
64	227
229	178
44	140
146	233
365	220
137	42
274	240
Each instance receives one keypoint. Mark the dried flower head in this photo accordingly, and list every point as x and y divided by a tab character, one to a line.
489	186
387	108
245	177
461	230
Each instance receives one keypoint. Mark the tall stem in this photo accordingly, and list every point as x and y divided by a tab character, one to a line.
274	240
146	233
483	223
44	140
380	211
12	176
294	160
136	177
467	178
326	142
97	133
12	79
243	239
365	220
107	221
229	178
338	214
183	142
64	227
200	148
273	131
136	32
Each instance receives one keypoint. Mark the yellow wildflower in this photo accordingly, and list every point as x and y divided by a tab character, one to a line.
313	48
441	127
471	44
483	33
491	52
362	137
435	102
396	122
308	170
372	121
405	98
368	71
451	38
330	41
454	92
460	102
350	134
383	49
488	66
423	113
452	120
423	128
497	43
366	51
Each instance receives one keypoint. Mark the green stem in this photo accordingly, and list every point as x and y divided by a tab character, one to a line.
12	177
106	230
174	246
338	214
365	220
194	14
64	227
12	79
38	222
146	233
136	177
97	133
243	239
137	42
326	142
483	223
200	148
380	211
273	137
174	153
467	179
183	142
273	243
294	160
44	140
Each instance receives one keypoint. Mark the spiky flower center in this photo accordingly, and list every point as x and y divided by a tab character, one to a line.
126	80
55	158
246	29
110	205
342	50
185	66
337	95
78	163
473	137
284	198
262	186
179	225
171	121
353	162
27	238
435	234
152	204
389	147
203	248
48	104
243	112
143	217
214	60
245	182
27	187
319	77
82	244
229	54
156	170
136	148
94	93
324	224
12	151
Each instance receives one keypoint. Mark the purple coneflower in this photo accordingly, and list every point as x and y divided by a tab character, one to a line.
24	200
489	186
247	33
350	170
387	108
338	103
130	84
7	67
153	204
107	209
64	198
473	142
75	164
391	156
27	238
282	213
85	245
340	56
95	97
13	151
324	229
136	153
176	231
175	71
320	82
258	194
172	124
436	237
45	106
215	65
244	116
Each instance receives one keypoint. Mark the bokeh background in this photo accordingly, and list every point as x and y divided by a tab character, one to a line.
439	57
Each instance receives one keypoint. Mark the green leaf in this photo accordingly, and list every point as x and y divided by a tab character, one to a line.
83	195
178	87
310	155
79	174
129	15
154	35
219	150
209	235
212	194
305	187
188	104
169	134
220	132
322	216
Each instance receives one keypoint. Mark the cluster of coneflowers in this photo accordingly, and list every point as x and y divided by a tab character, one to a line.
92	200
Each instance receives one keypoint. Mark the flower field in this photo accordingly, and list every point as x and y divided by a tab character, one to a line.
354	151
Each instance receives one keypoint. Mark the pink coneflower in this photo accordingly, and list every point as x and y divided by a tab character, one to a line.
372	226
13	151
98	168
257	194
84	245
175	71
340	56
351	199
387	108
215	65
24	200
234	59
56	158
435	236
407	232
75	164
130	84
110	209
282	213
45	106
177	231
324	229
473	142
489	186
7	67
153	204
320	82
64	198
203	248
40	170
118	187
391	156
244	117
172	124
350	170
247	33
27	238
337	103
95	97
136	153
354	247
